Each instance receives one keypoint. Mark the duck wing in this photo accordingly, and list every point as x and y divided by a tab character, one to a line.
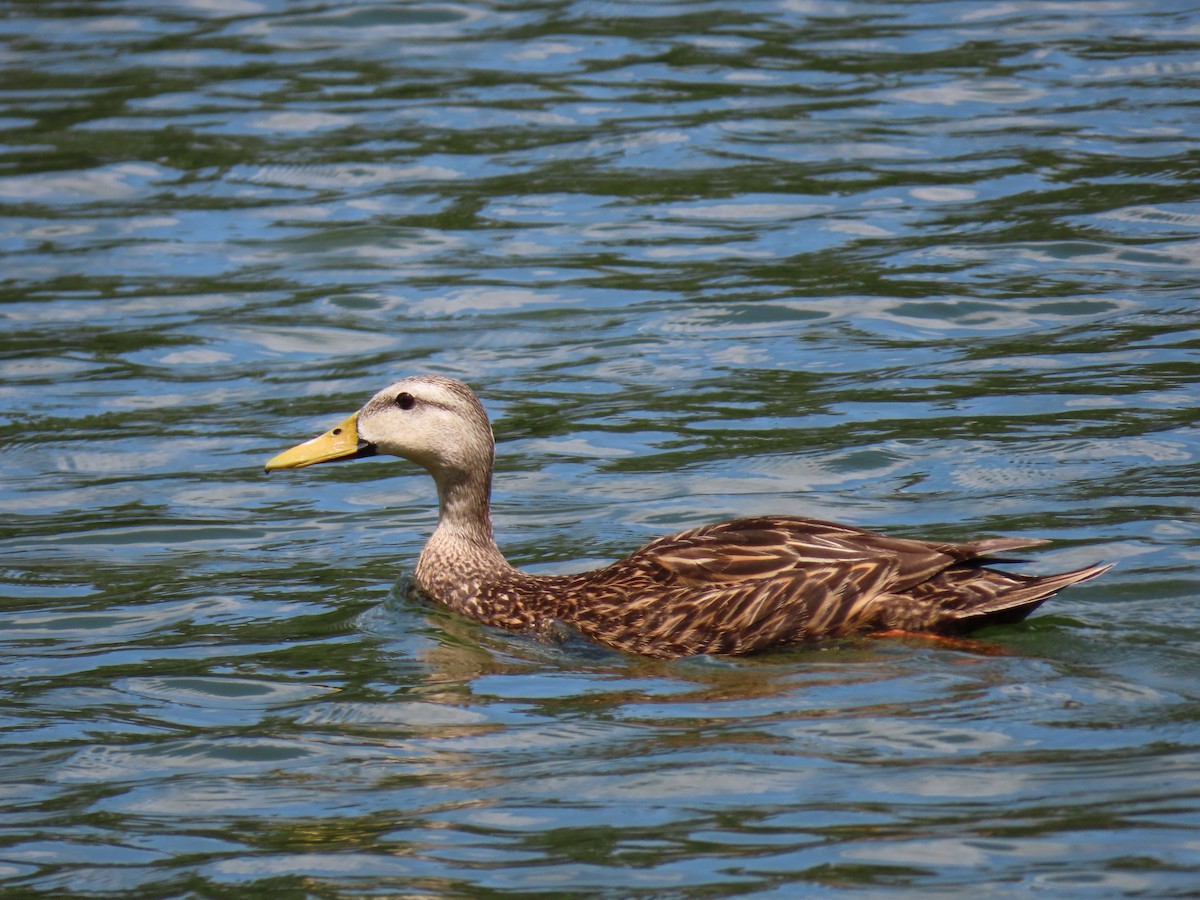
644	615
741	586
768	547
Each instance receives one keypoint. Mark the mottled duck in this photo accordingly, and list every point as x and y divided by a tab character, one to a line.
731	588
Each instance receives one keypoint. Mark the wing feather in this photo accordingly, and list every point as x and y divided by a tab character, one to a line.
741	617
740	586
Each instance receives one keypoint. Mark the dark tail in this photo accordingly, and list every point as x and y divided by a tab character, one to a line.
1013	597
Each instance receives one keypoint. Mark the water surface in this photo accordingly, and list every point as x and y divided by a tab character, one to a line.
923	267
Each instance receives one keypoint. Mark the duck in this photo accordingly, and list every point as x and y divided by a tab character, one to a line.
727	589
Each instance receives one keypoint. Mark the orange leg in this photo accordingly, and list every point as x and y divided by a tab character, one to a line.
968	645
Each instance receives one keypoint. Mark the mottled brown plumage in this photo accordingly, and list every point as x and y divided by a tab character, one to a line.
730	588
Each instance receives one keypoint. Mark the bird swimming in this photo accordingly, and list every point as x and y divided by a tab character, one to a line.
732	588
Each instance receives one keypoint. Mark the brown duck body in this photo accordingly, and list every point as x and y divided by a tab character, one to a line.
749	584
731	588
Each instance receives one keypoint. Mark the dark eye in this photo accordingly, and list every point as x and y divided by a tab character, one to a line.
406	400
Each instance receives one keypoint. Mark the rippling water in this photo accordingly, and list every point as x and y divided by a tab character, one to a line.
926	267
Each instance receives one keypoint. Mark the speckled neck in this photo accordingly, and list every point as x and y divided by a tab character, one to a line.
464	508
461	556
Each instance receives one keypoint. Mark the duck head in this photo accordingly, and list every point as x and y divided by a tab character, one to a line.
436	422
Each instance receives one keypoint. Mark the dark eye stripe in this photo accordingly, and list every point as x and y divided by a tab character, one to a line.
405	400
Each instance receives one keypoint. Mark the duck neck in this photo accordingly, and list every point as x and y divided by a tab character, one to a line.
464	509
461	556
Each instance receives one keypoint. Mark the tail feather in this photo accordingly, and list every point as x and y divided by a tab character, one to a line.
1014	601
987	546
975	551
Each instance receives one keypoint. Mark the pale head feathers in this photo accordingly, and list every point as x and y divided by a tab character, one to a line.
434	421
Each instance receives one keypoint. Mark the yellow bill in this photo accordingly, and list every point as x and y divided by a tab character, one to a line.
342	442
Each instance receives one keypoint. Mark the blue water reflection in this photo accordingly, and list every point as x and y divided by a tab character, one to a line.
926	267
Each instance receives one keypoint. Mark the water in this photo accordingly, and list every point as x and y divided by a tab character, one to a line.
925	267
